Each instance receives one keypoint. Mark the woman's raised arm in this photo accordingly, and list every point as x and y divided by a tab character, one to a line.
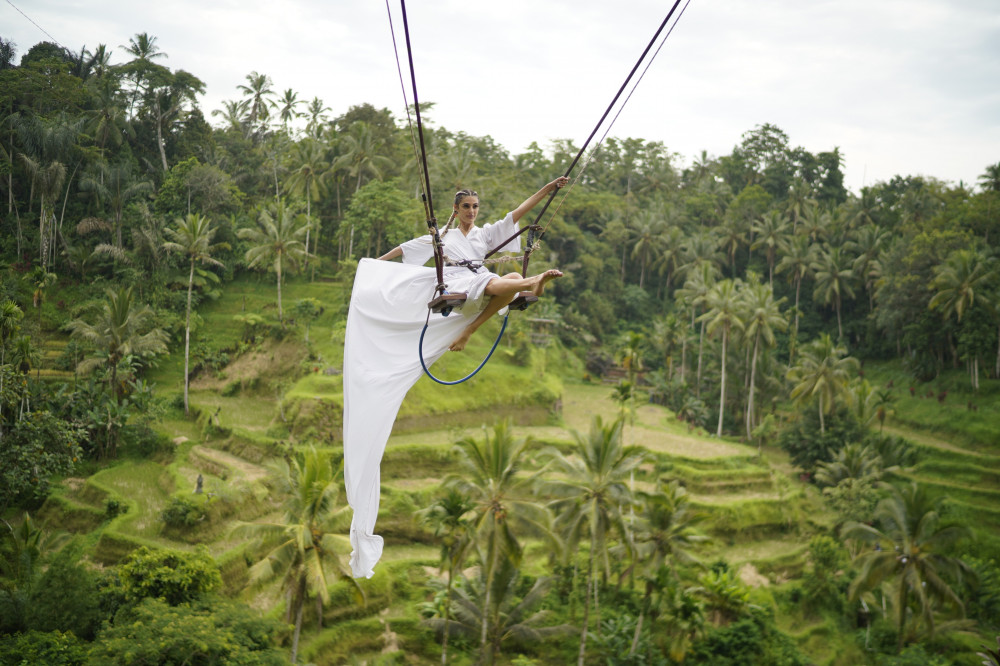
533	200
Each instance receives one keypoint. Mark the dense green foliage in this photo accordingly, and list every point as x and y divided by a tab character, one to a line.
750	293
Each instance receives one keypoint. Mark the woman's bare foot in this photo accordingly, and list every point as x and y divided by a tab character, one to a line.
550	274
460	341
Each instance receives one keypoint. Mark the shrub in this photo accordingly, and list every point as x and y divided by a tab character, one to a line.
808	446
220	632
182	512
750	641
65	598
54	648
175	577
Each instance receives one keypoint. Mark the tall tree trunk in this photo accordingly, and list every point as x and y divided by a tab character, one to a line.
902	613
996	369
753	387
298	630
840	328
701	342
277	265
488	599
586	606
187	338
159	135
722	390
447	617
822	425
308	222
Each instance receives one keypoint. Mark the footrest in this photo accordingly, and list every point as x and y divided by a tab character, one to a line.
523	300
446	302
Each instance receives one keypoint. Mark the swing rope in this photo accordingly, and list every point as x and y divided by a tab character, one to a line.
423	363
439	258
534	225
535	241
534	228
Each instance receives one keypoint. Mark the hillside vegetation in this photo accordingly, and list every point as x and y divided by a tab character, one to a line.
757	421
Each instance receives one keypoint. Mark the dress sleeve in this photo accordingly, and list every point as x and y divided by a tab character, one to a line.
497	232
418	251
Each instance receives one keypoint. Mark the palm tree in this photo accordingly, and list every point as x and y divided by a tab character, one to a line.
799	202
853	461
108	121
823	371
726	596
761	318
816	224
98	60
40	280
258	94
316	112
304	548
361	155
47	179
722	302
647	232
449	518
731	235
277	243
962	281
694	292
867	244
910	556
965	279
592	495
10	319
671	247
114	186
667	332
8	50
503	500
192	237
800	255
144	50
771	231
122	328
701	249
286	106
990	180
833	280
882	405
665	536
306	180
498	609
233	113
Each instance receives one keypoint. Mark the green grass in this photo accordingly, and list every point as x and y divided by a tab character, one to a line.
754	506
947	417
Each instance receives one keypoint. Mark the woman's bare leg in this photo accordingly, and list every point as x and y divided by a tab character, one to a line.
502	291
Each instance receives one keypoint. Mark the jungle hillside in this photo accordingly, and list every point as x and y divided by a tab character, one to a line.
757	421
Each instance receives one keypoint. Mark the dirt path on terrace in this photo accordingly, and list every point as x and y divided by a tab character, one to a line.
248	470
934	442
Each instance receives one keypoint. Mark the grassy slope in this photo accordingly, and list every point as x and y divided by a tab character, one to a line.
759	514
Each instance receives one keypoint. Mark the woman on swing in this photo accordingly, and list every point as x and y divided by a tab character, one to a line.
466	251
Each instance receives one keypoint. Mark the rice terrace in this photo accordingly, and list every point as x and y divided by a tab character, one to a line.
747	416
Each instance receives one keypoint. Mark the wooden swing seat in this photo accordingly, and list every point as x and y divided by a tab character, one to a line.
523	300
447	302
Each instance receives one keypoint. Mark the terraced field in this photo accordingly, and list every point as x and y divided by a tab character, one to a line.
759	514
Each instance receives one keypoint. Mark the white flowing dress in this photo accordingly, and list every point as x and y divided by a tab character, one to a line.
381	362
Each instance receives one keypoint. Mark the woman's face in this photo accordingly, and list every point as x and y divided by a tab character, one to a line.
467	209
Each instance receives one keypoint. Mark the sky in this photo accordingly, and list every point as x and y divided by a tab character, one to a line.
901	87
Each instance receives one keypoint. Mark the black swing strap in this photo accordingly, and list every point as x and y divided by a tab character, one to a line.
428	203
534	225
